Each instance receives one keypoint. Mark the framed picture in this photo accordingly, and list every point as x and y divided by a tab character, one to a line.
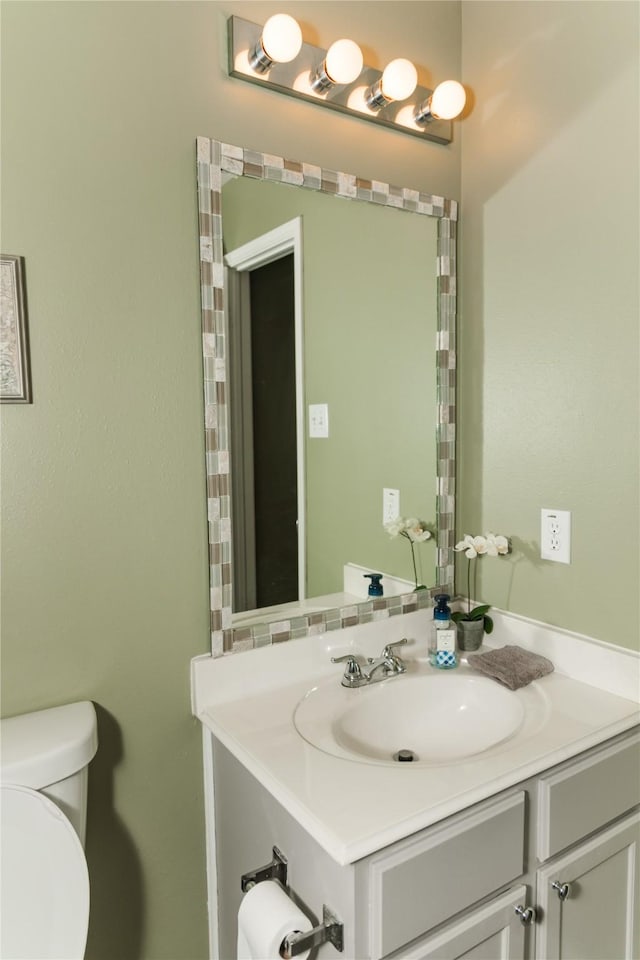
15	373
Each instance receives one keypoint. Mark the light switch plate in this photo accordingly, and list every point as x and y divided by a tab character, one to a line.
318	420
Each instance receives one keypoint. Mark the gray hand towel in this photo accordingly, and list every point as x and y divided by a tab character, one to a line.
511	666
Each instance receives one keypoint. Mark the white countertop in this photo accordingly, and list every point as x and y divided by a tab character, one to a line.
355	808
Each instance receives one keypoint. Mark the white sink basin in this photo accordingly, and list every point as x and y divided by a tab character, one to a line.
438	717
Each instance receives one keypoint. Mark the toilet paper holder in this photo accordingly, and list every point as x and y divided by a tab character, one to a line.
276	869
331	930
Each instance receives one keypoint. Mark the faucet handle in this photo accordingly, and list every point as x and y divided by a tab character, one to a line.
352	660
388	650
352	672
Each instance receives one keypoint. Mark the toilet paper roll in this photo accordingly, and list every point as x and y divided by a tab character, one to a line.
266	915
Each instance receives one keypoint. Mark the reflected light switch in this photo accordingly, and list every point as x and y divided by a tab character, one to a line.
318	420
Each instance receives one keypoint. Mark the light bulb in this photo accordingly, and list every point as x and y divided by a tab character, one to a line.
448	100
281	38
344	61
342	64
399	79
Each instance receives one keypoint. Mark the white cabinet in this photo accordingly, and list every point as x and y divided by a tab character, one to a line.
452	891
589	898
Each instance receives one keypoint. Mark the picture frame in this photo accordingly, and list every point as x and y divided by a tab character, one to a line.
15	368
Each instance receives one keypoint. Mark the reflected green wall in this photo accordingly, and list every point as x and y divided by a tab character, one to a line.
369	293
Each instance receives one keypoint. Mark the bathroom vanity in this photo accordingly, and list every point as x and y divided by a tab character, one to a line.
529	848
515	832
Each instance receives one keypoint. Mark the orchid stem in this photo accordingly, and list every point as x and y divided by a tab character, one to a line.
413	559
469	584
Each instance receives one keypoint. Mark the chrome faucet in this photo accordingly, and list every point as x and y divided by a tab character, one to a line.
359	672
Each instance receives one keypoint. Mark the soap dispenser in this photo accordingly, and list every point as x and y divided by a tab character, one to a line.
442	642
375	587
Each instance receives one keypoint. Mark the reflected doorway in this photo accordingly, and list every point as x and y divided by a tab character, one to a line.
265	352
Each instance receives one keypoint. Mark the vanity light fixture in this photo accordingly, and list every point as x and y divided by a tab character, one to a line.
275	56
398	81
342	64
279	42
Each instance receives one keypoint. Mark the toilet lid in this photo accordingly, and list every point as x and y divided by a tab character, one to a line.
44	880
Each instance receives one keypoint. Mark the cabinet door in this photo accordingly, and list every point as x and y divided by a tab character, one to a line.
491	932
599	917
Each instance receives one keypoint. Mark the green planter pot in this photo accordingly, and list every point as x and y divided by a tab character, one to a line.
470	634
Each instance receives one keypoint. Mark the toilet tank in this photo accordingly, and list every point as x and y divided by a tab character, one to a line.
50	751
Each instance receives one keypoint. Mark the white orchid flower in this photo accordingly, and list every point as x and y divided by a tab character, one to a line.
496	545
410	527
416	530
503	545
464	544
481	545
413	530
491	545
395	527
468	545
421	536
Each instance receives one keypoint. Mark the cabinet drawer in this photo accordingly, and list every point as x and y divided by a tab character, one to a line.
584	796
424	880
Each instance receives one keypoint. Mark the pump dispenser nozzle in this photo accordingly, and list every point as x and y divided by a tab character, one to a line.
375	587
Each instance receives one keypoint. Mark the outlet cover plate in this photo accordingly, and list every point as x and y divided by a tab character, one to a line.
555	535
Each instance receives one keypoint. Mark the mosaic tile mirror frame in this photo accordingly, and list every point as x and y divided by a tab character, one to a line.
214	161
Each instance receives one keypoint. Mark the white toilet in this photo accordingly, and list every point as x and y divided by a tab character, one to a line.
44	879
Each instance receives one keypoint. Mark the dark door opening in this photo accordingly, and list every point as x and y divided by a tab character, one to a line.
263	439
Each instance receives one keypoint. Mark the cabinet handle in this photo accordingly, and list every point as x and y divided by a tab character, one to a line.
562	889
527	915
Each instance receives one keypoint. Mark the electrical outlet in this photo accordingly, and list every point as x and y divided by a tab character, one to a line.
390	504
555	535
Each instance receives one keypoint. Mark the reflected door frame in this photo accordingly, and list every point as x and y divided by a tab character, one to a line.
284	239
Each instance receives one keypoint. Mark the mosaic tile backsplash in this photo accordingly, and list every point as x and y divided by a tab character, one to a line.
214	159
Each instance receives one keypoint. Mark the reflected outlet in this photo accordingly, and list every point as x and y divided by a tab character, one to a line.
390	504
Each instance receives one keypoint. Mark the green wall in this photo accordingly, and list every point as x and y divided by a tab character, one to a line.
549	320
370	320
104	573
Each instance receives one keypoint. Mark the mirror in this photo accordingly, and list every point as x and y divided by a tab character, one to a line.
375	286
303	506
